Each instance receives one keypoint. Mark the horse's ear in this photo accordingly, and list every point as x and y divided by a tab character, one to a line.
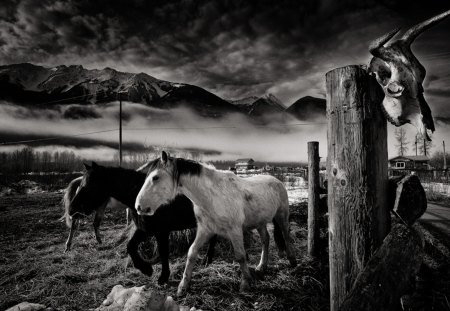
164	157
94	165
87	166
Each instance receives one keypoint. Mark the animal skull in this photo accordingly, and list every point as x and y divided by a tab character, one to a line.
401	75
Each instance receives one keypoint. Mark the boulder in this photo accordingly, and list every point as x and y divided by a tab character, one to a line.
27	306
139	299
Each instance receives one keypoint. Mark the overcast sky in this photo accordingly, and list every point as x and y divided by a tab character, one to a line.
232	48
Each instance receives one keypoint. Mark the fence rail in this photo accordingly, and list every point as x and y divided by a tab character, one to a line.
434	175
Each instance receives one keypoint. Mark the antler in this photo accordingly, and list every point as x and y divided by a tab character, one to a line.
412	33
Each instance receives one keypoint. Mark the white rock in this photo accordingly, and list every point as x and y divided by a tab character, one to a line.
170	305
26	306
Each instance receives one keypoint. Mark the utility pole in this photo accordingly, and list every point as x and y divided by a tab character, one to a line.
120	129
445	156
416	145
128	217
424	147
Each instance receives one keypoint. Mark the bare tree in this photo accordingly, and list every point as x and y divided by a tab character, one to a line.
402	143
424	145
437	160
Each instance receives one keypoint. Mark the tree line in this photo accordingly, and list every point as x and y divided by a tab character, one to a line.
27	160
419	146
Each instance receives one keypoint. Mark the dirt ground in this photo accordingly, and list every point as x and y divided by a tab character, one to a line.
34	268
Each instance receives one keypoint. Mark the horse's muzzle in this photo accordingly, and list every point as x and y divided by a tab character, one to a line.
147	211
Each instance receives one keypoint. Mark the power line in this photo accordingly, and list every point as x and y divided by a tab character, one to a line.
53	138
156	129
222	127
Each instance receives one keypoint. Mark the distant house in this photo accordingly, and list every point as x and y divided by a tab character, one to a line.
409	163
245	164
267	168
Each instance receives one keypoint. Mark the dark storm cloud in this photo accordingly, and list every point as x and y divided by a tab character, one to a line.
233	48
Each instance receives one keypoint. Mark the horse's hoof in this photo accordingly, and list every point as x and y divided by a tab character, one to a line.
293	262
148	271
182	288
245	287
258	274
163	280
181	291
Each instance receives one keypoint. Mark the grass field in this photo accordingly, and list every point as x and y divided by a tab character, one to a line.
34	268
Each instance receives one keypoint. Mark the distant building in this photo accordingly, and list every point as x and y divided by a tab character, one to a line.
245	164
267	167
409	163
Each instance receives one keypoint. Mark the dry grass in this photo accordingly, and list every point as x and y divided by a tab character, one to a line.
34	268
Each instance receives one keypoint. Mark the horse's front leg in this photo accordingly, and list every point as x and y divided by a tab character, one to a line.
71	233
132	249
162	239
97	220
203	235
237	239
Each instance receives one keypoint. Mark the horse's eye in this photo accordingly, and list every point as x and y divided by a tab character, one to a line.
155	178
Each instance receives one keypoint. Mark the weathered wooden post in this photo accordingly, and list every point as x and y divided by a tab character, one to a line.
313	197
357	175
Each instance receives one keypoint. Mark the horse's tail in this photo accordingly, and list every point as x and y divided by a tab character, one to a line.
278	236
69	193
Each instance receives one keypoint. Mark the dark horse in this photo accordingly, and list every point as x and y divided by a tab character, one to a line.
71	222
99	183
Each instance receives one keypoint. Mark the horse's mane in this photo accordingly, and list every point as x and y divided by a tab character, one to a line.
181	166
186	167
147	167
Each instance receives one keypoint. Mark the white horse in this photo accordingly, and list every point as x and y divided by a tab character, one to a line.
224	204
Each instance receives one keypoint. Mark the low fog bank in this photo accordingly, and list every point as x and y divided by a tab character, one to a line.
279	139
146	129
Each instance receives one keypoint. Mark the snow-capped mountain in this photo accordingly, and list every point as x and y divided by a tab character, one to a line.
36	84
260	106
244	102
32	84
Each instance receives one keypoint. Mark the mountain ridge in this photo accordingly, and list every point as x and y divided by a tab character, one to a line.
35	84
307	108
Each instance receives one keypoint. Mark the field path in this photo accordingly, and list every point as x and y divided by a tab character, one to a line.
437	216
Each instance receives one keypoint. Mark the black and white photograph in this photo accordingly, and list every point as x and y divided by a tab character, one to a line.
183	155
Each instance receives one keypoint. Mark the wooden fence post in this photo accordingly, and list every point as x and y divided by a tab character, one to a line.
357	175
313	197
